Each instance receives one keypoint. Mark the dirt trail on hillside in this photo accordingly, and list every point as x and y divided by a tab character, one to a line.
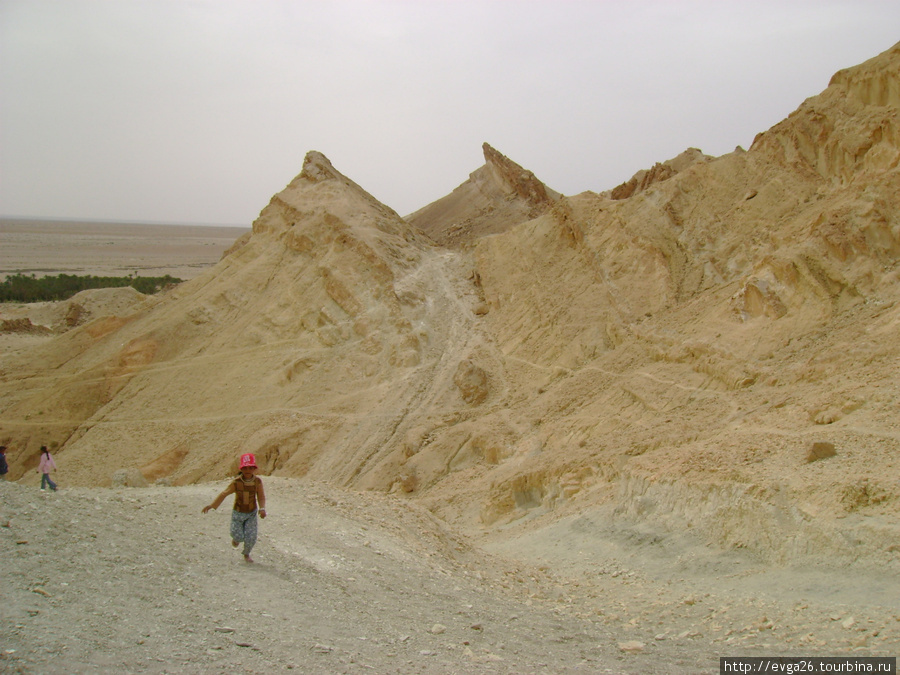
132	580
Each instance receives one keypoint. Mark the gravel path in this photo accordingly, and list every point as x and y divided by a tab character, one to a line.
138	581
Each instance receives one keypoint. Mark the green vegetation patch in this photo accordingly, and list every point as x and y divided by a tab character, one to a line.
23	288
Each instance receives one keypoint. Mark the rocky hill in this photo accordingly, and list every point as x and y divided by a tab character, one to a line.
709	348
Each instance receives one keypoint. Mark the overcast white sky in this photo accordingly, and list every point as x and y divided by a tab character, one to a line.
198	111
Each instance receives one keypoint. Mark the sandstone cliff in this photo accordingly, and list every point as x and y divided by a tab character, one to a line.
672	354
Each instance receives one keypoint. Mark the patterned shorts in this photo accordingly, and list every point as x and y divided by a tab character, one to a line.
244	528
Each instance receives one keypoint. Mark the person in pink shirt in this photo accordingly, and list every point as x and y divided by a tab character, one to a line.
45	467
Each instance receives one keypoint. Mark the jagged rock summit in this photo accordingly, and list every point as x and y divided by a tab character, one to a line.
664	360
496	196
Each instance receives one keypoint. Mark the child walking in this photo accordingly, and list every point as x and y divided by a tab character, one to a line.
45	467
248	492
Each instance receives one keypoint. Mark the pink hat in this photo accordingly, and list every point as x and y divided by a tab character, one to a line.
248	460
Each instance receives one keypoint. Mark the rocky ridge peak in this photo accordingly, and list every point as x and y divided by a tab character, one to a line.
848	132
518	180
317	167
321	187
873	82
497	195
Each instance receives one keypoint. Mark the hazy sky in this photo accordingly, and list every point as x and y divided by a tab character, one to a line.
198	111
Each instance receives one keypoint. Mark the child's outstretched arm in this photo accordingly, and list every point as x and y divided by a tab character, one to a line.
227	491
261	499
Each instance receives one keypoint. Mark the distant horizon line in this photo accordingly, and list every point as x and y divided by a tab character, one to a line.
109	221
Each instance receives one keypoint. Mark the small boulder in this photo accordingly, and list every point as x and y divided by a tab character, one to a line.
820	450
632	647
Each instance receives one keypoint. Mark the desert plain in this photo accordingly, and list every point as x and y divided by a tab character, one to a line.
625	431
50	247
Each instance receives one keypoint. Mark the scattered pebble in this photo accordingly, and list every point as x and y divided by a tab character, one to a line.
632	647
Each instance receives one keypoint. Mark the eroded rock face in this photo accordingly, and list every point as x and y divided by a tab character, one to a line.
81	308
850	131
22	325
661	171
472	382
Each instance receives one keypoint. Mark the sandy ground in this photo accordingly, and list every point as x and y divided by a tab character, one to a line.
136	580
